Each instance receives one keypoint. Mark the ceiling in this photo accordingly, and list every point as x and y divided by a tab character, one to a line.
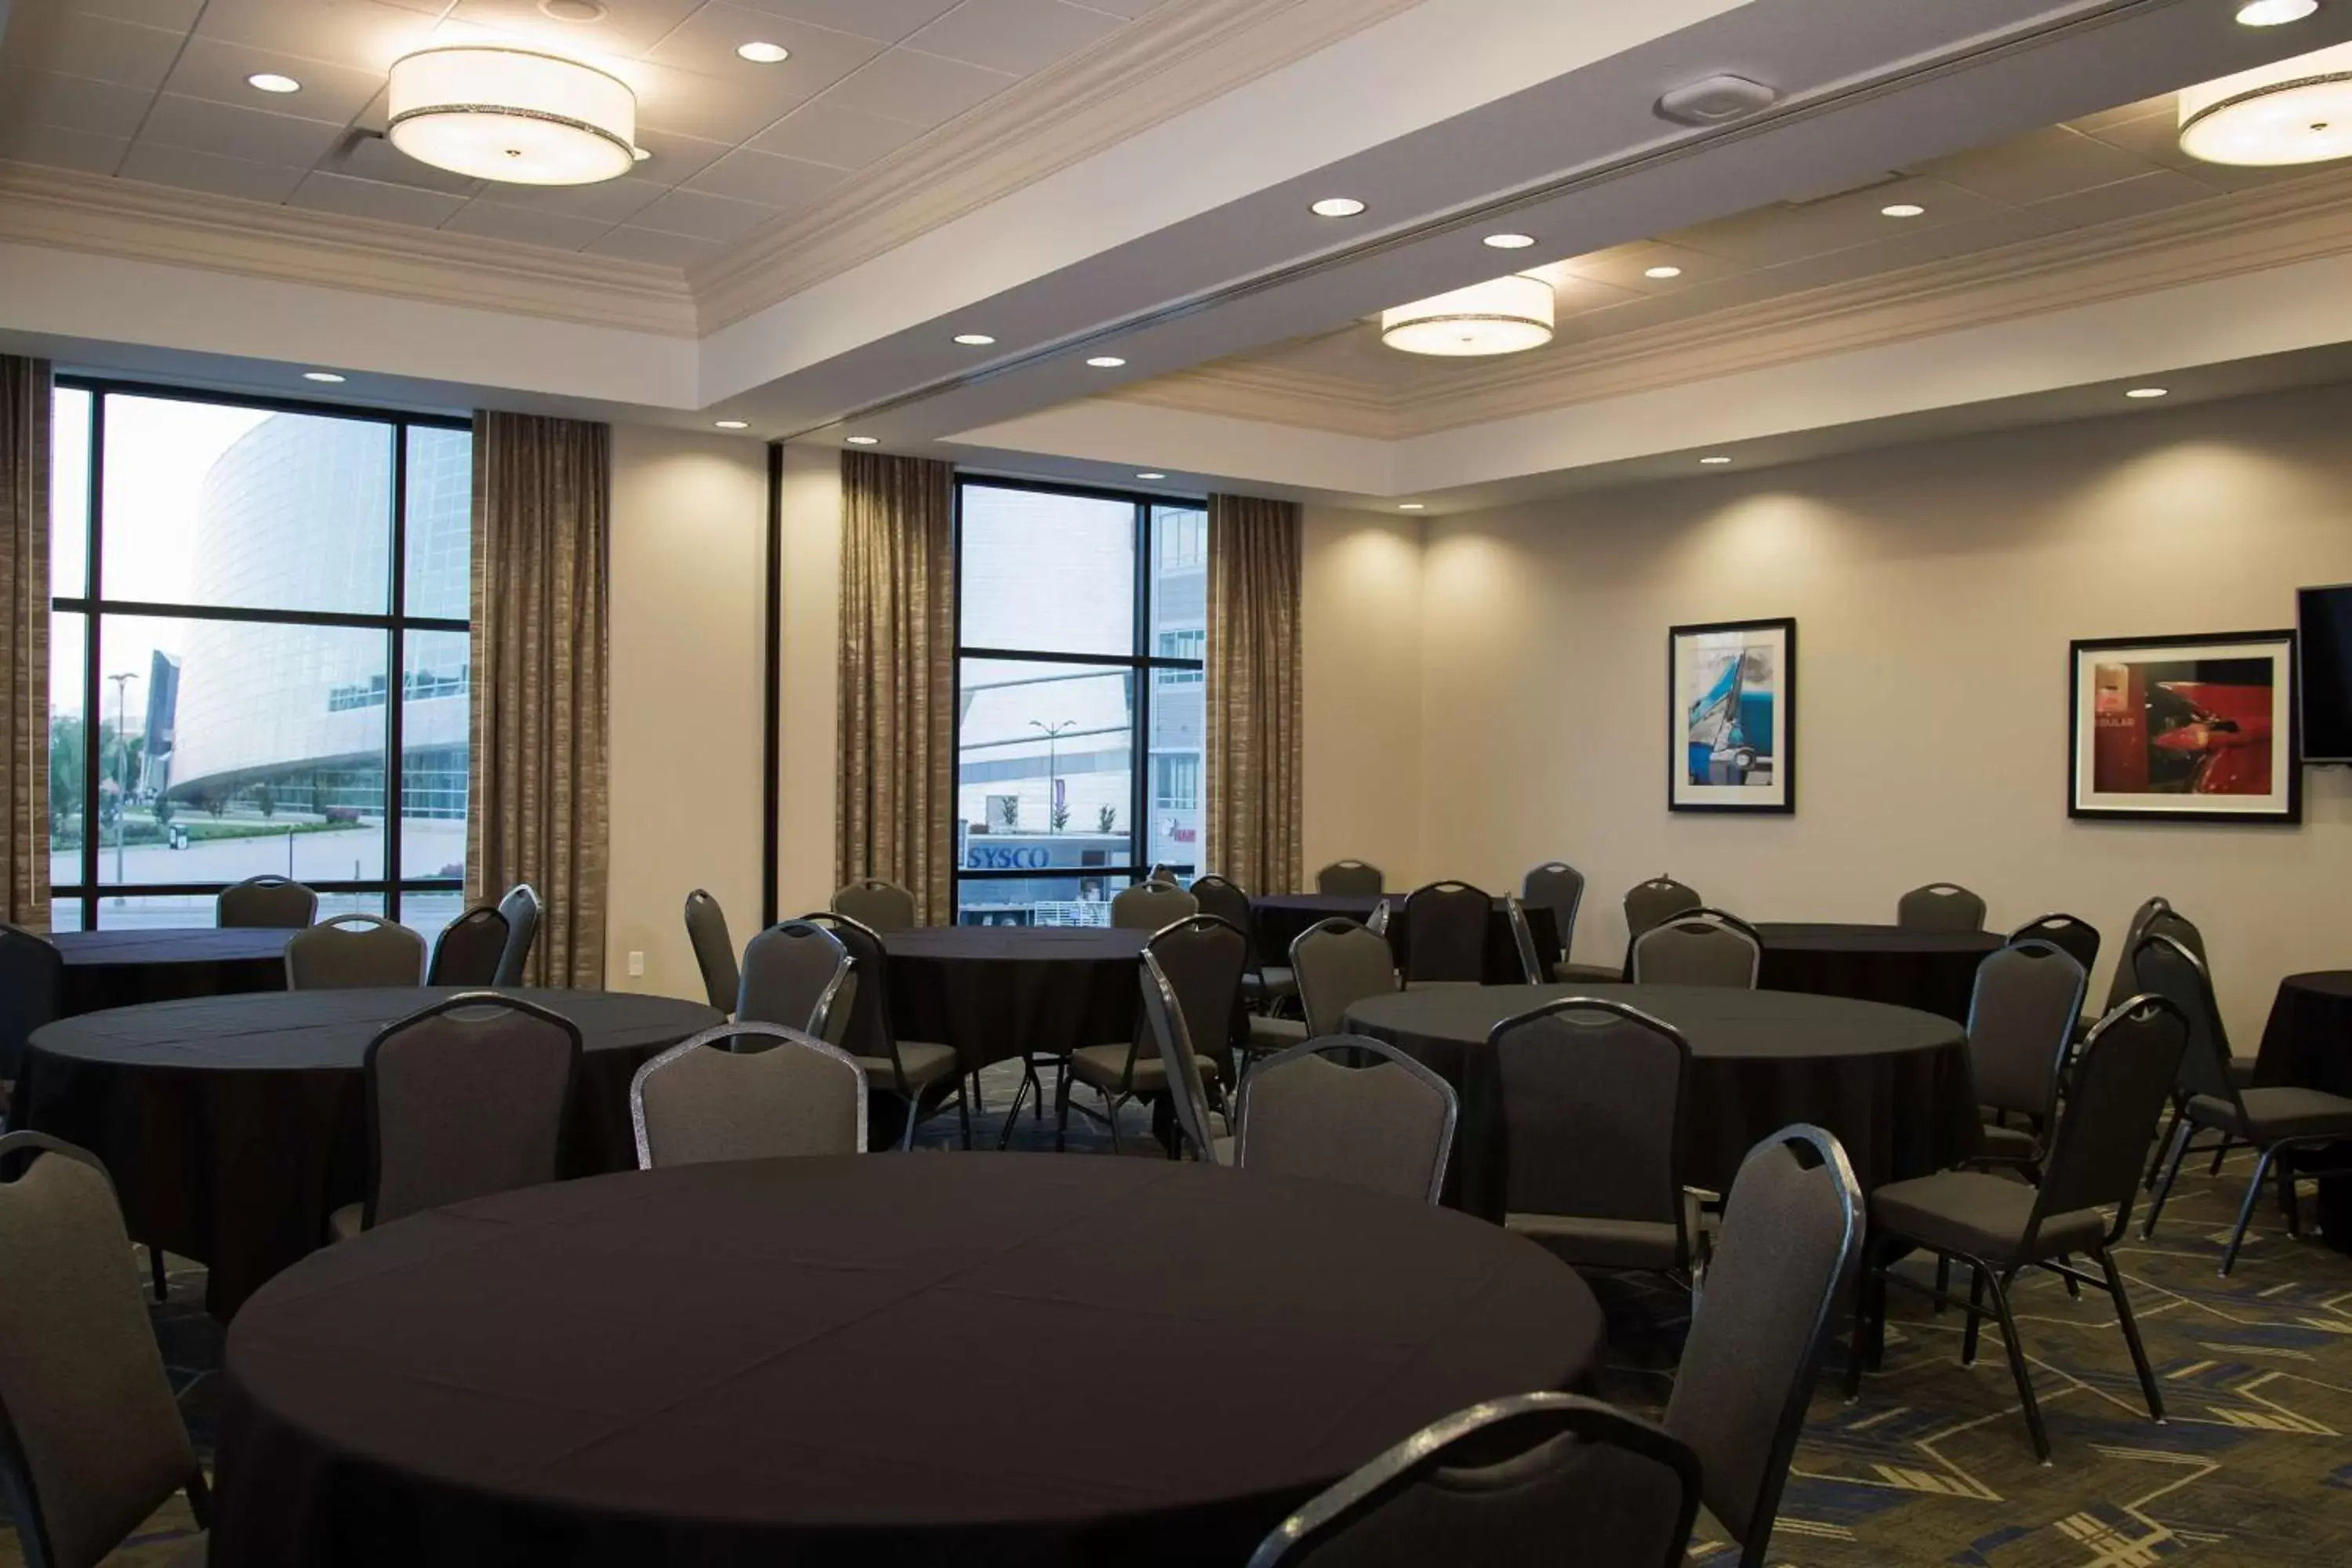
155	90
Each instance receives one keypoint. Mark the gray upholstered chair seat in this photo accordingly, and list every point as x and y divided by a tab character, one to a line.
346	1222
1276	1034
1591	974
1102	1067
1979	1215
2009	1145
2276	1113
1602	1243
924	1064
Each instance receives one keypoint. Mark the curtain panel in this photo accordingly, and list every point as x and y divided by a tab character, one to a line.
24	639
537	781
896	781
1252	752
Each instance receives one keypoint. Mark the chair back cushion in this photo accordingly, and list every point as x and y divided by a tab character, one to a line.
748	1091
714	950
466	1098
860	1023
521	906
794	975
2117	1087
1940	906
1350	879
1338	964
2168	967
1560	887
1701	947
1150	906
2123	983
271	902
32	990
1212	895
2078	937
1202	958
1388	1126
1659	898
1592	1095
877	904
349	951
82	1385
469	948
2021	1017
1445	933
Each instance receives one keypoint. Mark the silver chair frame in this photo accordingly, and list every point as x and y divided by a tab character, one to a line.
727	1034
1329	1043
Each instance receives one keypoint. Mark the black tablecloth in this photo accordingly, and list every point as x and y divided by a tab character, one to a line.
1893	1084
233	1125
886	1358
124	968
995	992
2308	1044
1281	917
1934	970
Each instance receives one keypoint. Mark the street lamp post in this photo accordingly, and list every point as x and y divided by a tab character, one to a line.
1053	738
123	752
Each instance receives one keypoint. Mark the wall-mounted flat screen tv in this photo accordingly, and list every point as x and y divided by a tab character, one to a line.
2324	619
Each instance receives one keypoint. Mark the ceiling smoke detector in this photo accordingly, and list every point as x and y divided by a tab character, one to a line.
1715	101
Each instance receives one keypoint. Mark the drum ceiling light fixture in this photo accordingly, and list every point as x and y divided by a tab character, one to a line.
1500	316
496	111
2290	111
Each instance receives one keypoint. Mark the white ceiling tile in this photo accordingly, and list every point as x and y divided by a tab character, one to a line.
2125	198
2165	105
1777	234
2034	167
160	163
58	148
700	216
217	70
1625	267
627	27
1016	36
706	43
525	226
606	201
236	132
98	47
842	138
1128	8
73	103
361	33
374	158
887	20
765	178
177	15
2155	137
374	199
676	159
654	246
922	89
673	99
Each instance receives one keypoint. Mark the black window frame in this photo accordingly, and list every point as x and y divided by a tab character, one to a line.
1140	661
395	624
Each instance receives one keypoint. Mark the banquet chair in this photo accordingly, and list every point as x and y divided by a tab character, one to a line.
1658	899
1504	1484
1264	986
522	907
277	903
799	975
2115	1086
1339	964
1592	1094
1533	968
1446	934
2021	1024
1149	906
354	950
877	904
2166	922
467	952
1558	886
1388	1126
746	1092
1376	922
1187	1081
1350	879
1940	906
909	1071
1791	1232
91	1438
32	993
464	1098
714	950
1196	963
1698	947
2279	1122
2123	985
2078	937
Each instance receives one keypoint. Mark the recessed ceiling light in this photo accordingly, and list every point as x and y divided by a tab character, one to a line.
732	423
2149	392
764	54
1105	361
270	81
1508	241
1902	209
974	340
1412	506
639	154
1712	462
863	440
1151	474
1662	272
1337	206
573	10
328	376
2274	13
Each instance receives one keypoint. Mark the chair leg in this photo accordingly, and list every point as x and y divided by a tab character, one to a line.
1110	1116
2246	1209
2163	1144
2285	1172
155	1274
1859	1346
977	1103
914	1111
1977	1273
1943	1281
1062	1114
2131	1336
2017	1370
963	1107
2221	1152
2073	1289
2171	1174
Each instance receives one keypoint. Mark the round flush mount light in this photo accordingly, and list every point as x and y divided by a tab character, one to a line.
863	440
1902	209
731	423
1662	273
1501	316
763	54
1105	361
572	10
2274	13
1337	206
2147	392
327	376
974	340
1714	461
270	81
1151	474
2289	111
498	113
1508	241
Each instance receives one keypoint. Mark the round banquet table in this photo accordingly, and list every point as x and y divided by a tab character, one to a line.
1280	917
2307	1042
233	1126
123	968
909	1360
1934	970
997	993
1892	1083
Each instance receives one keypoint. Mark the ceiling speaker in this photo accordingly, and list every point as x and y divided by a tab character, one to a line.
1712	100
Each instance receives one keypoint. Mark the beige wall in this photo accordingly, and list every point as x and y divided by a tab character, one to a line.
812	662
1936	587
1359	612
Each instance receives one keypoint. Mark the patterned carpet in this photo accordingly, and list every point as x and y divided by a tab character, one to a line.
1932	1465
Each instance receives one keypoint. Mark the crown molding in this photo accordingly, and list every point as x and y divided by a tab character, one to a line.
2277	225
1176	58
72	211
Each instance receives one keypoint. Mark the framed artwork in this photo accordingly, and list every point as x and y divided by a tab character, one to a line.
2185	729
1731	692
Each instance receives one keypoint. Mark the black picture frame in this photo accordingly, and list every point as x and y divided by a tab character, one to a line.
2280	806
1777	796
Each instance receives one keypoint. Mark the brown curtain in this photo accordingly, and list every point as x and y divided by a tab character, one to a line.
895	816
541	500
1252	758
24	639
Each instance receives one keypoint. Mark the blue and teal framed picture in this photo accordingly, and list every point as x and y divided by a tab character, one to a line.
1731	695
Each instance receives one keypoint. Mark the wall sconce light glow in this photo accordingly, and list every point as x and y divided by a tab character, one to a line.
1151	474
1105	361
974	340
1500	316
328	376
270	81
1412	506
2289	111
1715	462
2274	13
731	423
2147	392
1662	273
1508	241
764	54
863	440
496	111
1902	209
1337	206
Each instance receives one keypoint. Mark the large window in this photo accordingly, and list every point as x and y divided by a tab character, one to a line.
1078	702
235	586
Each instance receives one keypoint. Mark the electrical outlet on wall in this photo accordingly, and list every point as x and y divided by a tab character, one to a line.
636	965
